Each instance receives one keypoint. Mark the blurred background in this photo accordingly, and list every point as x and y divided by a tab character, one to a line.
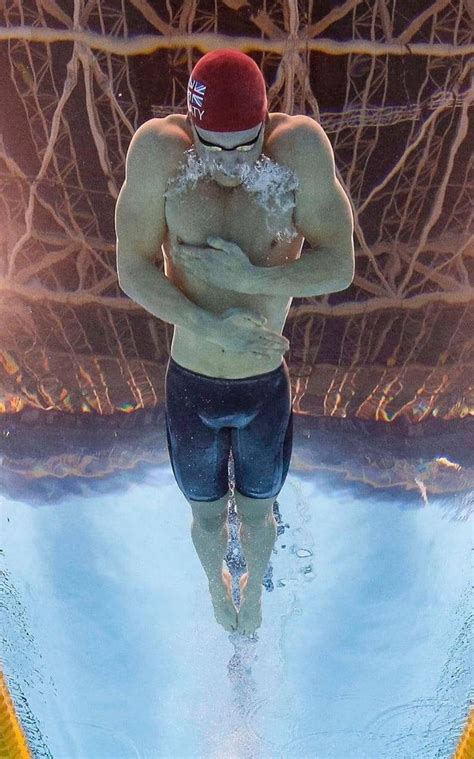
382	373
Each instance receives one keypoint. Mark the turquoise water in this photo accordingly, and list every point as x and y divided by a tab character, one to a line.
112	649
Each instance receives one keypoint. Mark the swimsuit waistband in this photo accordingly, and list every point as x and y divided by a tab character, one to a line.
184	370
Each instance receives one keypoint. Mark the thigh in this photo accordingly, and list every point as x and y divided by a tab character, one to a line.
199	454
262	449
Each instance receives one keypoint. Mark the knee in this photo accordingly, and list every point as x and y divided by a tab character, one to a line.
210	514
209	524
253	510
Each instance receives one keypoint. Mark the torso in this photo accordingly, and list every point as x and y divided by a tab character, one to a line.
232	214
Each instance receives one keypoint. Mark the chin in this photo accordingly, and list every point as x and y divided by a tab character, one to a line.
225	181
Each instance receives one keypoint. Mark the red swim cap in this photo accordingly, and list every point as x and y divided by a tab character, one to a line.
226	92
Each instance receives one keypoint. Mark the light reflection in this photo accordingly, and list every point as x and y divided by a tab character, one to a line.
108	638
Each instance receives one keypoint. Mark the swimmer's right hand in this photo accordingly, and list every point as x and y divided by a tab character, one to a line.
244	331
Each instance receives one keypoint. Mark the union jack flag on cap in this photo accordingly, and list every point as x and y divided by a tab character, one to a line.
196	92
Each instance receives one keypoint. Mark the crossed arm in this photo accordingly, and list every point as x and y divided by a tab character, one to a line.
323	215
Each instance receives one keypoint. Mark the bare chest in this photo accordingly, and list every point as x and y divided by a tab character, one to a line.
263	229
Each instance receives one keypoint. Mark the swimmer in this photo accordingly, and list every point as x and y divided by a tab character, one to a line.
227	194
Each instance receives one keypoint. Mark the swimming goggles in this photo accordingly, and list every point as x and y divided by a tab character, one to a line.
244	148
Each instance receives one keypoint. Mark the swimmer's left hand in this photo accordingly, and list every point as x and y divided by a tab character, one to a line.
223	264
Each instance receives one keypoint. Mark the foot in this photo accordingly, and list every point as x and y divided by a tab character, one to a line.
250	612
224	609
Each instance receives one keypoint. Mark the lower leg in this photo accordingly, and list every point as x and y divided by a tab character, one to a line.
258	533
210	535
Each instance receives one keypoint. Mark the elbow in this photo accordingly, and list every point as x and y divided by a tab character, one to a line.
344	285
348	268
345	274
123	281
349	279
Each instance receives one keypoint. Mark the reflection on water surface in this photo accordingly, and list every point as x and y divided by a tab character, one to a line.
109	645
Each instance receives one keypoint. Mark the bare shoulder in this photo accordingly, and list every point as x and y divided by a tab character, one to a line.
172	128
158	145
299	142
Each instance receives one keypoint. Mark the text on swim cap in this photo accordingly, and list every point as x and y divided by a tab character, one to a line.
196	92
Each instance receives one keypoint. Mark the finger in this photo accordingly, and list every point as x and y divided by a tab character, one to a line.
190	249
190	256
220	244
262	320
216	242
